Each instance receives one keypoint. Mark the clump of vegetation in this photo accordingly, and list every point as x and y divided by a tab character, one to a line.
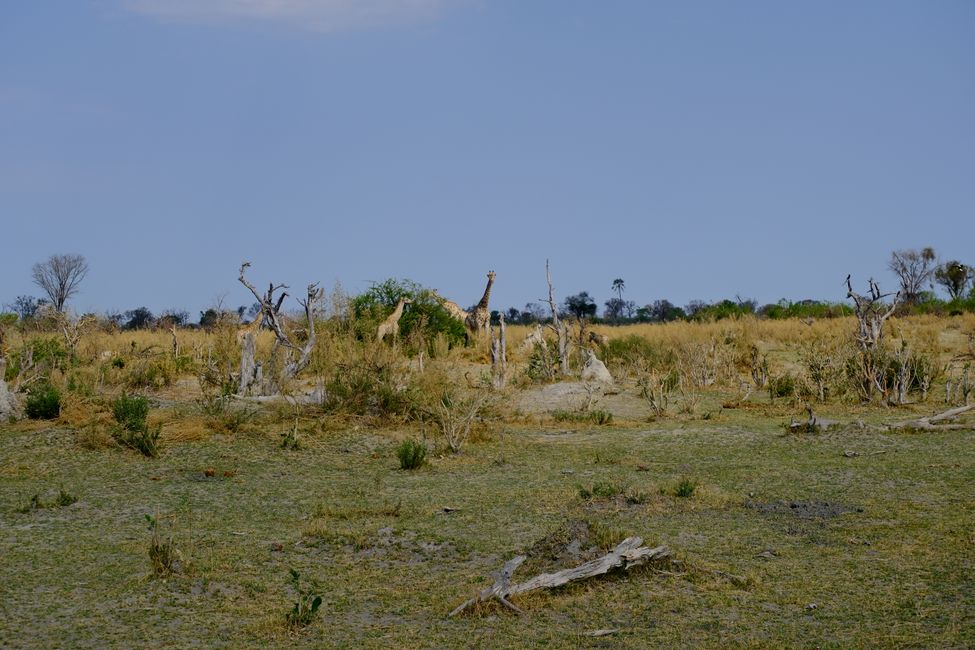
290	439
684	488
636	349
43	402
597	417
607	490
411	454
164	557
220	413
306	607
425	313
131	412
62	500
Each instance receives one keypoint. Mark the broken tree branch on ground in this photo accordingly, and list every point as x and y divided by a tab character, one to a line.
928	423
628	554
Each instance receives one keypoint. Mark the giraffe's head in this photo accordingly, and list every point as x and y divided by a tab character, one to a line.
491	275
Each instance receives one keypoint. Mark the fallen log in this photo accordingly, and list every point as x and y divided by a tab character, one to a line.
928	423
627	555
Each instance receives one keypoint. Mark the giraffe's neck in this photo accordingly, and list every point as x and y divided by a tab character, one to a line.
399	309
487	294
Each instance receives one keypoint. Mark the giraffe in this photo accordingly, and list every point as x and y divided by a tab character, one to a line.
391	324
480	317
452	307
250	328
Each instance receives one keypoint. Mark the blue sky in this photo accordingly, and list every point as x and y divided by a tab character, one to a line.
698	150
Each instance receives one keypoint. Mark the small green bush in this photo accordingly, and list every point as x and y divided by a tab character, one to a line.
685	488
131	411
145	441
601	418
411	453
304	610
43	402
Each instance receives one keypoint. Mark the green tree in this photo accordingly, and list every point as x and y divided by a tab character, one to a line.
580	305
954	277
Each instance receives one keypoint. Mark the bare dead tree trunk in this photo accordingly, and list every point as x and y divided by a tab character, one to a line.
560	328
270	311
871	313
499	354
9	408
248	363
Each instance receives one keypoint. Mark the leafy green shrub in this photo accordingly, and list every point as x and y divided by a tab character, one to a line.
426	312
49	352
131	411
118	362
304	610
133	431
411	453
543	362
43	402
787	385
685	488
145	441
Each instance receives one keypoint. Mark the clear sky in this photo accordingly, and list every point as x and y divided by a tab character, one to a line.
695	149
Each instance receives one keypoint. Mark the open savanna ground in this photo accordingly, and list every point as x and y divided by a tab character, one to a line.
852	535
784	541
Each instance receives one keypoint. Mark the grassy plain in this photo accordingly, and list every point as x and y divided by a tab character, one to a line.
852	538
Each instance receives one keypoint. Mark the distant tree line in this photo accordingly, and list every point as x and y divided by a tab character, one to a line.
917	270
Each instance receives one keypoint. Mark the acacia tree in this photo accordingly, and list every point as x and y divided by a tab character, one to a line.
59	277
581	305
914	268
954	277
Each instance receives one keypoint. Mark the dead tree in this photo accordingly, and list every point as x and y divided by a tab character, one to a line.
73	328
872	312
560	328
9	407
297	357
499	354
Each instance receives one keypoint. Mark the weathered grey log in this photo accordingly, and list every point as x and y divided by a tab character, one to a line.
628	554
928	423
